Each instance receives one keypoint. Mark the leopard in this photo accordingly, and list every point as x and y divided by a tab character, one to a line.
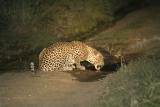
67	56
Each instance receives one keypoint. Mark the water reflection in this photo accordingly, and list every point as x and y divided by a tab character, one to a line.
90	74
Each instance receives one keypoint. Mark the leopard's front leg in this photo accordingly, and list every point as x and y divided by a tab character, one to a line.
79	66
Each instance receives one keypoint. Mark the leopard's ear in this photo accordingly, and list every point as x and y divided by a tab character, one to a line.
95	52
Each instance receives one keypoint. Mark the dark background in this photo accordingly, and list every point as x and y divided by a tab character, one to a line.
27	26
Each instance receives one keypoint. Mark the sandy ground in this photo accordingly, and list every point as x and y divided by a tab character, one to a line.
58	89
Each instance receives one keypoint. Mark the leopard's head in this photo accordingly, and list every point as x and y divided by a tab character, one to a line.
95	58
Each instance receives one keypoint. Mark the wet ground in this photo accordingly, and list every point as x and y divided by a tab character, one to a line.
53	89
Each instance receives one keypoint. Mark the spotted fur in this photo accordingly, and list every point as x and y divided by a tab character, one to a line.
66	56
